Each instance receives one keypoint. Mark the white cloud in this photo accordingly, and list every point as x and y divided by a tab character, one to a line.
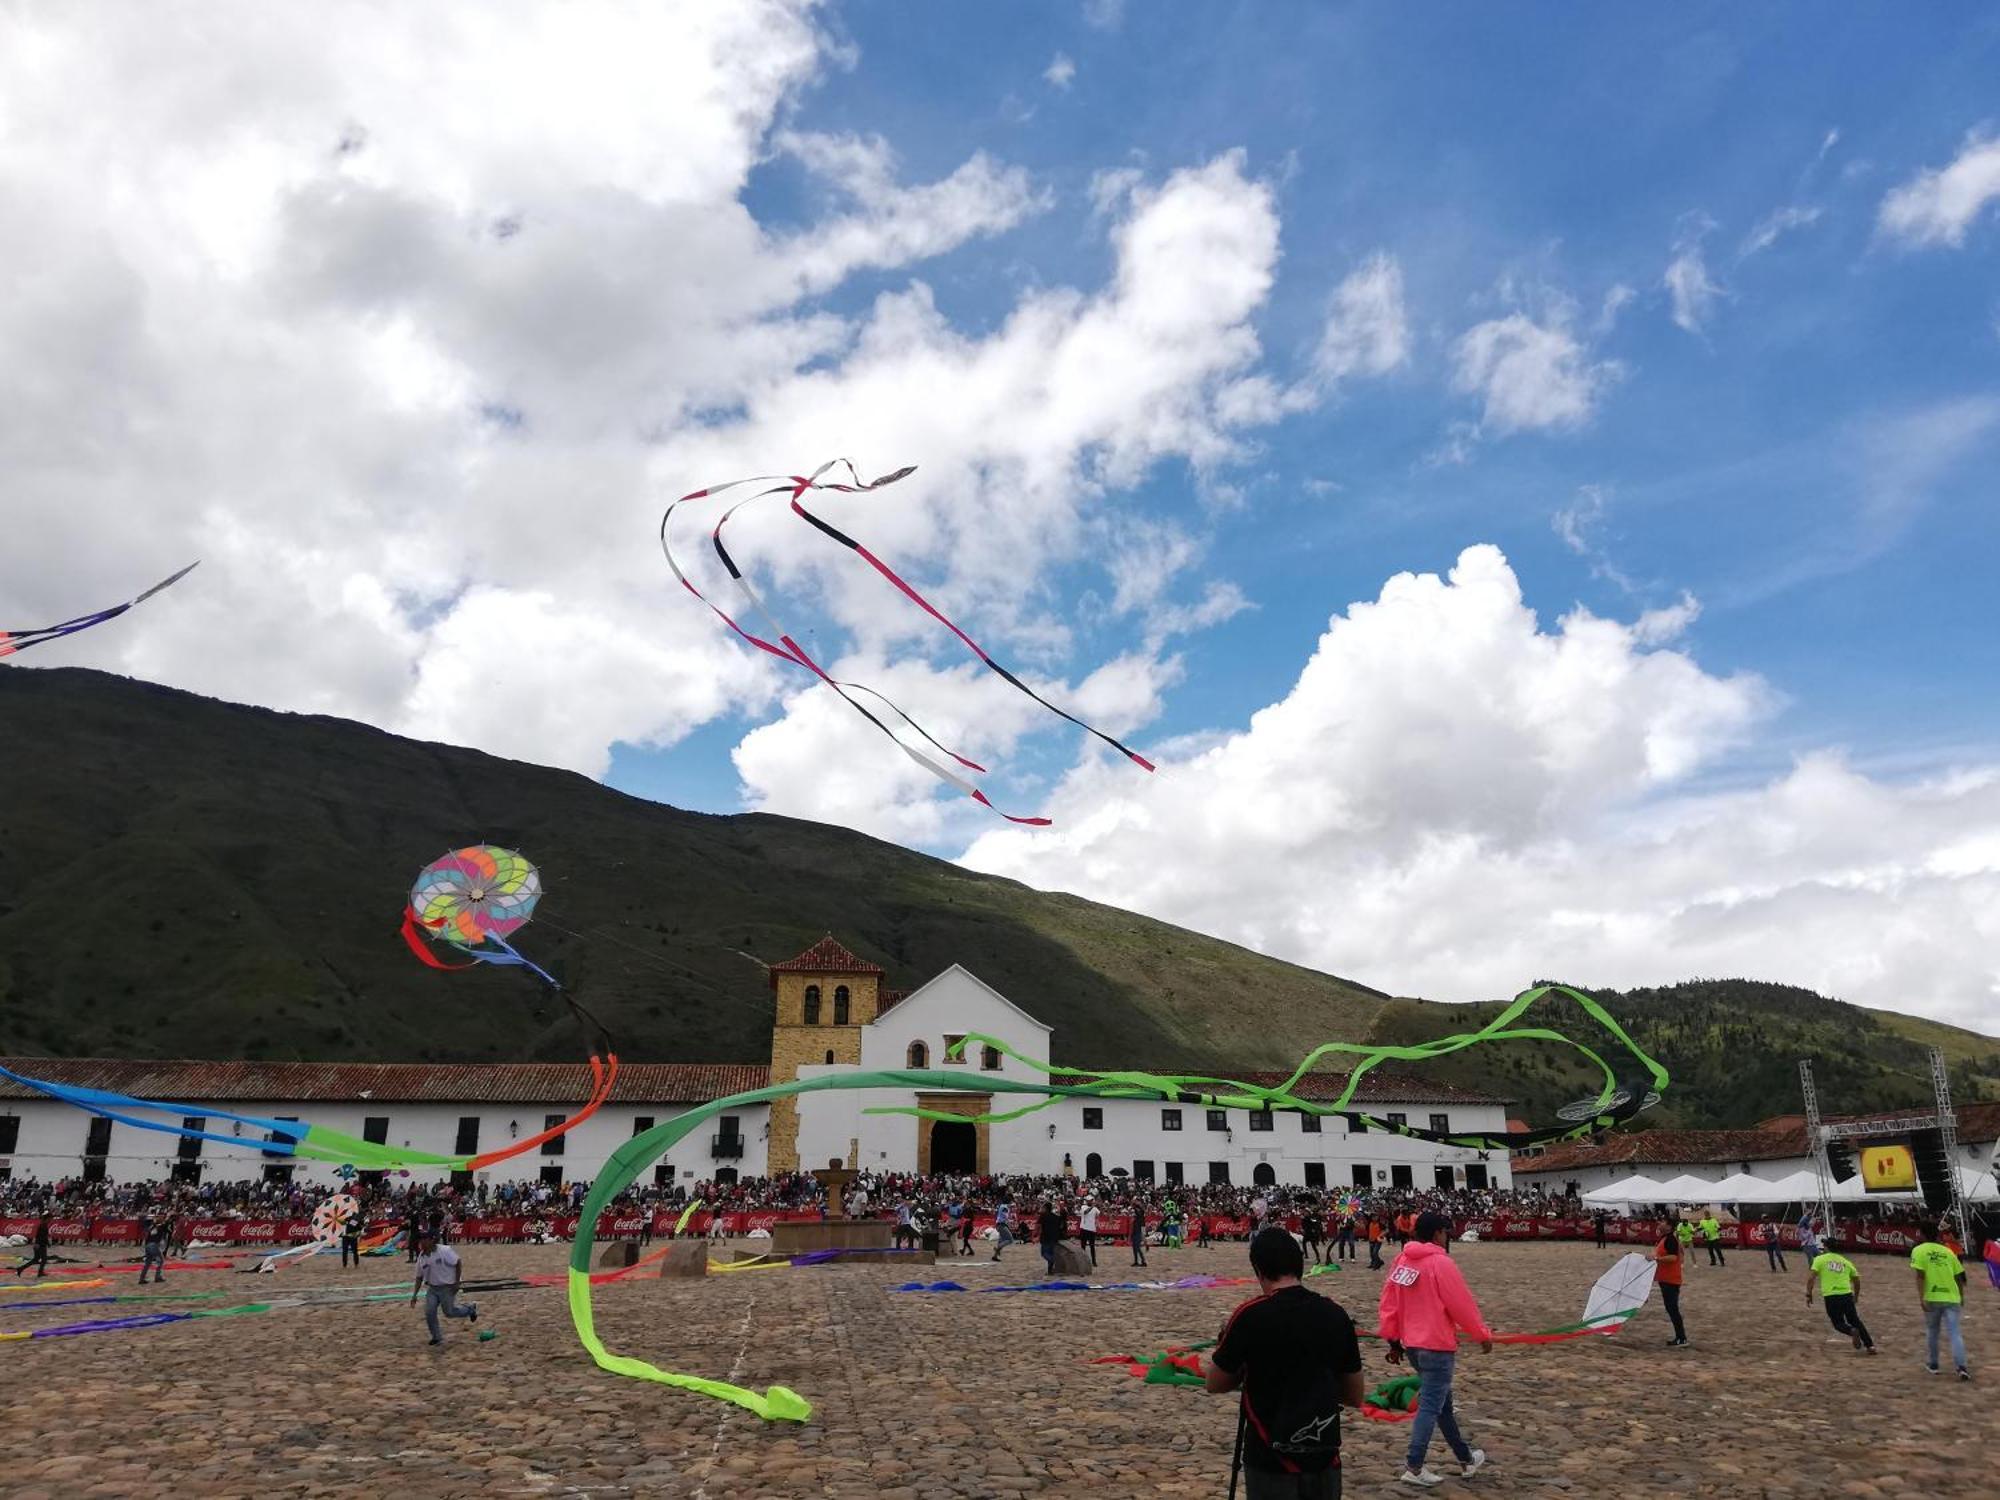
1667	623
1774	226
1940	204
1061	71
1453	800
1104	15
406	324
1530	375
1366	330
1687	280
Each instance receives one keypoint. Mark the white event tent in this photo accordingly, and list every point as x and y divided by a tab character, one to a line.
1638	1188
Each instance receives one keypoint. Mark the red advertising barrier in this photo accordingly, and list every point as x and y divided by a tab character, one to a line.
1870	1236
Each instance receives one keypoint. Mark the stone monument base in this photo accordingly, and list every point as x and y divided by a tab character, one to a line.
685	1258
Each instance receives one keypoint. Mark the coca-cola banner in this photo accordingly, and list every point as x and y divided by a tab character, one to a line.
1884	1238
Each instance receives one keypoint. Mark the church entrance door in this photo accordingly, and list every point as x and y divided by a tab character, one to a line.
954	1147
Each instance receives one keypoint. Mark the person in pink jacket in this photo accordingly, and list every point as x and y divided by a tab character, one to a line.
1425	1306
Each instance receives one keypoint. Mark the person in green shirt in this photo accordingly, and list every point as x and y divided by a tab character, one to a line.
1711	1234
1684	1232
1941	1294
1839	1282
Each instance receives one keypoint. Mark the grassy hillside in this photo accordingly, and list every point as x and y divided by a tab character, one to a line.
185	877
1733	1048
181	877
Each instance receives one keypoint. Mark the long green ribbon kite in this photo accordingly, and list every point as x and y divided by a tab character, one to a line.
779	1403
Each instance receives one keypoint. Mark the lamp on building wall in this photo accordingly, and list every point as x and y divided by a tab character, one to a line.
514	1129
1052	1132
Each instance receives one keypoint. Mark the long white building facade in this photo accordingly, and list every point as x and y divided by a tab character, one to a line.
832	1016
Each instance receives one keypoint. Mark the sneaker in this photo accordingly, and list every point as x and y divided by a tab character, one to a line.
1930	1369
1475	1463
472	1311
436	1342
1421	1476
1963	1373
1857	1343
1871	1349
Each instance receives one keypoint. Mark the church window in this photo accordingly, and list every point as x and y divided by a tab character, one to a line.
840	1005
954	1049
989	1059
920	1055
812	1005
829	1058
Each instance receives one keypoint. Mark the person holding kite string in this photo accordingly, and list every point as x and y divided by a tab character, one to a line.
1425	1306
1296	1359
1668	1257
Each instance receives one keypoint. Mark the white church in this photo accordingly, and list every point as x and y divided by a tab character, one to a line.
833	1015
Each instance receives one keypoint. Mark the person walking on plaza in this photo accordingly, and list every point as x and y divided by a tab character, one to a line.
438	1275
350	1238
1669	1258
1941	1295
1345	1244
1309	1232
966	1220
1711	1236
1839	1282
38	1253
1774	1245
1601	1221
1425	1305
1138	1233
1374	1242
1296	1360
1003	1229
1086	1228
153	1248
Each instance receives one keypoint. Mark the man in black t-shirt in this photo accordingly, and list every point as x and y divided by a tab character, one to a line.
1295	1357
1049	1230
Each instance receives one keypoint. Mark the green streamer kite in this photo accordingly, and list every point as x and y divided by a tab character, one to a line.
779	1403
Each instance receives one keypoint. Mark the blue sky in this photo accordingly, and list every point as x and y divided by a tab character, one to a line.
1527	477
1774	463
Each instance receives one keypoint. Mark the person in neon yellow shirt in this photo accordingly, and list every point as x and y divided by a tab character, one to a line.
1711	1234
1839	1282
1941	1294
1684	1232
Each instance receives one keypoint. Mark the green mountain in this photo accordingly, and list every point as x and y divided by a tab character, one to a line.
183	877
1732	1047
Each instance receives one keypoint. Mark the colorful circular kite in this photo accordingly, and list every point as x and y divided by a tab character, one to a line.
476	893
332	1216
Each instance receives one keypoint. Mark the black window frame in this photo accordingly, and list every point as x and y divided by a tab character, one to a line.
1142	1171
1441	1123
1218	1119
375	1129
809	1007
1309	1124
1170	1119
1176	1174
1093	1117
1316	1175
465	1138
989	1059
1402	1175
1218	1174
554	1145
1397	1120
10	1134
188	1147
843	1006
1362	1175
1476	1180
1263	1121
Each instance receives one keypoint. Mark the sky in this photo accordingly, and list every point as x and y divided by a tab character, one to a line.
1526	480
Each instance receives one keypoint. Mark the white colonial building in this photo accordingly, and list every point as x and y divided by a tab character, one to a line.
832	1017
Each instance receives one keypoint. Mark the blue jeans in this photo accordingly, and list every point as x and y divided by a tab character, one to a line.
441	1297
1434	1405
1945	1315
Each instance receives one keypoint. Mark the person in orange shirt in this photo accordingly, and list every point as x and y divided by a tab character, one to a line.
1374	1242
1667	1276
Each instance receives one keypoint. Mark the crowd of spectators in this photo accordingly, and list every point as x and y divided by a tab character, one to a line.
391	1196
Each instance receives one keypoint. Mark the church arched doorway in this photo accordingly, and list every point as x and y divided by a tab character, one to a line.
1093	1166
1264	1175
954	1147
